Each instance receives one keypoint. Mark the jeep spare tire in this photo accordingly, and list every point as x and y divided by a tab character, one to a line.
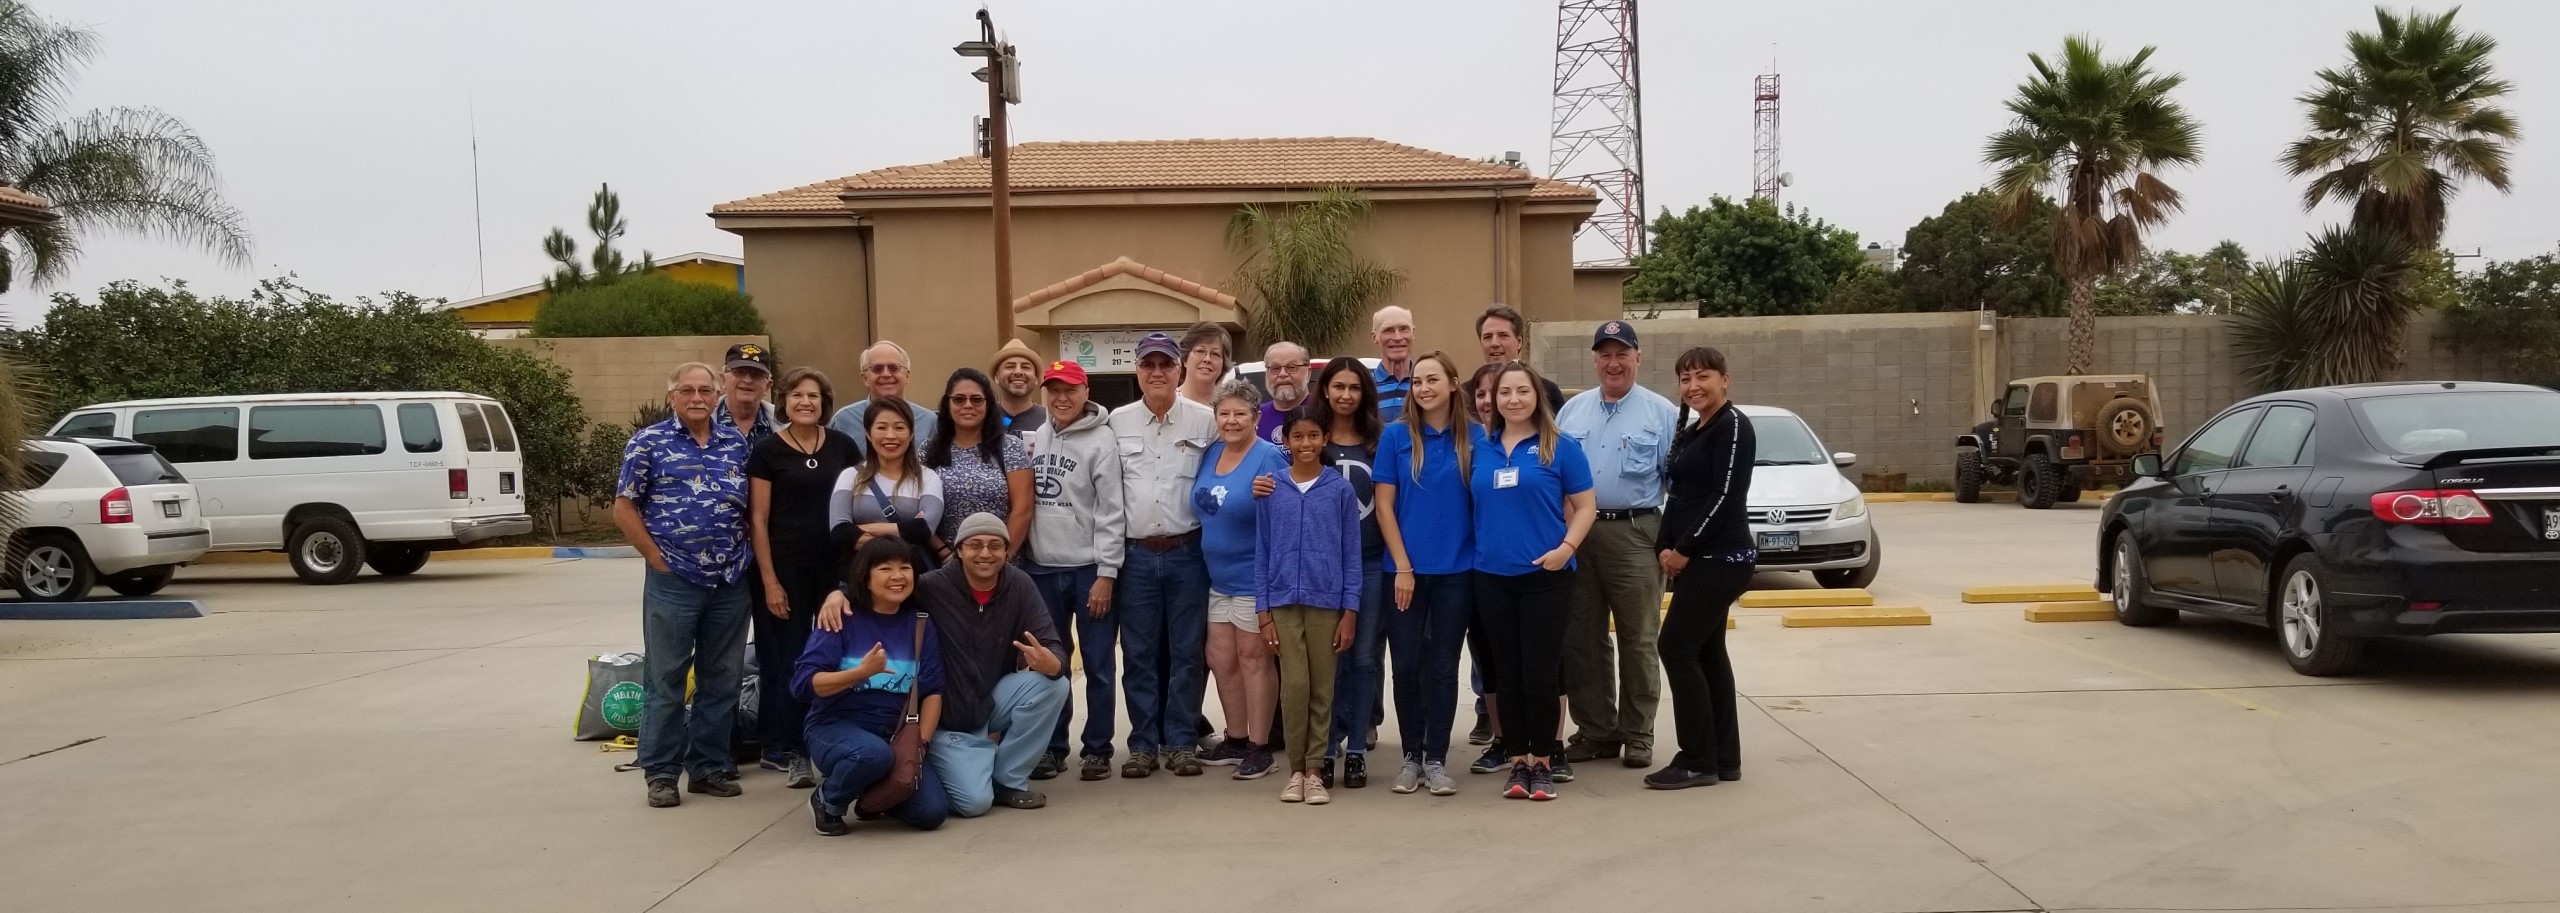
2125	427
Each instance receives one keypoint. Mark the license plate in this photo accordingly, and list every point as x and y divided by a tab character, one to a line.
2551	523
1778	542
171	509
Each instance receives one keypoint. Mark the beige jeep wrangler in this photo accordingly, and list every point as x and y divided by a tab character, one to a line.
2056	437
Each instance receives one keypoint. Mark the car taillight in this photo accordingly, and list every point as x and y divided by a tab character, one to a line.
116	507
2426	507
2071	448
457	484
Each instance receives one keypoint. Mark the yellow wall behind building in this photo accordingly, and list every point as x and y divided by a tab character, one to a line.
522	308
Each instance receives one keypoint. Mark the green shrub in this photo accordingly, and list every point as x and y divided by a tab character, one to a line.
649	305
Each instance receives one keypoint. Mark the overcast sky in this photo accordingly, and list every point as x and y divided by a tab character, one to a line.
344	129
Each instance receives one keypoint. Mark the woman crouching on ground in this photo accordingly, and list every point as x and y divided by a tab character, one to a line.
856	681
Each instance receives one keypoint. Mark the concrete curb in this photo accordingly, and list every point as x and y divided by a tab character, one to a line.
1853	616
1794	599
2072	611
2034	592
519	552
102	610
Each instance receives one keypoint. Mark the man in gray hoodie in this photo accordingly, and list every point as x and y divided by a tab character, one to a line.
1078	538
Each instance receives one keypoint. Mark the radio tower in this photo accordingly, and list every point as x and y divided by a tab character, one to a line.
1597	139
1766	179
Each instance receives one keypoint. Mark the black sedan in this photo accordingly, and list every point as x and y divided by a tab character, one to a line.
2339	514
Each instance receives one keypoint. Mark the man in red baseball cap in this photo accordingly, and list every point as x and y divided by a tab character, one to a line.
1078	529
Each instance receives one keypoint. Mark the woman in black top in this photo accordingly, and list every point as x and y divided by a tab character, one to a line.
789	476
1708	553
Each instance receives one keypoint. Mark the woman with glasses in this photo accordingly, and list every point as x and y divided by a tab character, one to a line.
983	469
1204	362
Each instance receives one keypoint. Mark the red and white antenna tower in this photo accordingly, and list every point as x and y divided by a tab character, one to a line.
1766	179
1597	137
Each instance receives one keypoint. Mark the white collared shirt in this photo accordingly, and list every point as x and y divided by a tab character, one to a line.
1159	459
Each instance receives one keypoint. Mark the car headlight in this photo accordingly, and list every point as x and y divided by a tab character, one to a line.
1850	509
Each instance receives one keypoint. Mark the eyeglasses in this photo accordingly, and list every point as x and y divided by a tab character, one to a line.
968	399
885	369
697	392
1282	369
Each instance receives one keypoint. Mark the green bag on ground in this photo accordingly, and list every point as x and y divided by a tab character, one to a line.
614	698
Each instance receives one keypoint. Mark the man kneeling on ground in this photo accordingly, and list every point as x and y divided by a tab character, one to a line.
1001	671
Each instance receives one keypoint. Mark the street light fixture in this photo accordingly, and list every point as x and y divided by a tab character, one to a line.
1003	76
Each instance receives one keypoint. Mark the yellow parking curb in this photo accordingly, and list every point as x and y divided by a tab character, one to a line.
1788	599
1853	616
2034	592
2072	611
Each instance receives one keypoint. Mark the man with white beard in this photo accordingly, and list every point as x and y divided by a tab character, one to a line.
1284	373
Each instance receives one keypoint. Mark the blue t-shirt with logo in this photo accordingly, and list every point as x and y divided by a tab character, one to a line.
1518	522
1226	506
876	702
1433	511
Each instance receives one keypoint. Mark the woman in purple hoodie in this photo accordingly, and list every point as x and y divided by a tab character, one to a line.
1307	591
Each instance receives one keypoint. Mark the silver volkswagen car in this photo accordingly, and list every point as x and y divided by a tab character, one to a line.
1807	515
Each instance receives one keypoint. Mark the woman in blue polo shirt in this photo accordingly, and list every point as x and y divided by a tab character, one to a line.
1428	523
1533	505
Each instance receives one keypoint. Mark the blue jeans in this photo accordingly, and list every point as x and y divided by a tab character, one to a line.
1163	603
1358	676
685	627
851	758
973	764
1065	591
1426	639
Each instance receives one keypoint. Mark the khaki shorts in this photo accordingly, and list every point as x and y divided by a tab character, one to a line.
1234	610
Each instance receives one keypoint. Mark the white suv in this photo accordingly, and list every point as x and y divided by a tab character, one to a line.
106	509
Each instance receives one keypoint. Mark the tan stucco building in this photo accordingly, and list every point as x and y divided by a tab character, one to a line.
1113	239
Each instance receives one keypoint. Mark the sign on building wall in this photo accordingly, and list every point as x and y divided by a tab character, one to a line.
1101	351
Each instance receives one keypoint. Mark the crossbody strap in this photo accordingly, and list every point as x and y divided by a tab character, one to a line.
918	682
888	510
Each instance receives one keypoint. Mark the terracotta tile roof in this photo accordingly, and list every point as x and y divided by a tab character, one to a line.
12	196
1194	164
1122	267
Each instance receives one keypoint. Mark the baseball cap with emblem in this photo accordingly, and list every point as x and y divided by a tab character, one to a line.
1160	344
1067	372
750	355
1614	331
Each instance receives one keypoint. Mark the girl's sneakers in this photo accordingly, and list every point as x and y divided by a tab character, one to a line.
1256	764
1542	783
1296	791
1408	779
1518	788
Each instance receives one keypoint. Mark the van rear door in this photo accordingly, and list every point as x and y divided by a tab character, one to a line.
494	461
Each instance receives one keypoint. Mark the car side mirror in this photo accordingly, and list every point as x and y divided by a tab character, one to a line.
2147	465
1844	459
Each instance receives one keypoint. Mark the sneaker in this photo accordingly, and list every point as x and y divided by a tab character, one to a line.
1256	764
829	825
1209	741
777	763
662	793
1518	787
1229	752
1096	767
1677	777
1542	783
1561	769
1592	750
1021	798
1492	761
1435	777
1139	765
1049	767
1355	771
1296	791
1483	733
1182	762
1316	794
718	785
1408	777
802	773
1328	772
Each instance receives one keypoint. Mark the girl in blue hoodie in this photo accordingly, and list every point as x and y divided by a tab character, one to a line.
1307	576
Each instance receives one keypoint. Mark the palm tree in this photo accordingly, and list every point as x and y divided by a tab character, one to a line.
2093	131
2270	328
133	170
1301	279
2334	314
2396	130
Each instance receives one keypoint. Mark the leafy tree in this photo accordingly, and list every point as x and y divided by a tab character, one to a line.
135	342
1866	290
649	305
2512	310
605	221
2409	117
2160	282
1967	257
2221	270
1744	258
131	170
1301	279
2092	130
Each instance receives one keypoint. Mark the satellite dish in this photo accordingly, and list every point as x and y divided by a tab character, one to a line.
1787	180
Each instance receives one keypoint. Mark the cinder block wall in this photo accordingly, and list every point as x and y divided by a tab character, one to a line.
614	375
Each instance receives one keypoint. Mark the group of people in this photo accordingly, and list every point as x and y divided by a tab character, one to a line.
933	569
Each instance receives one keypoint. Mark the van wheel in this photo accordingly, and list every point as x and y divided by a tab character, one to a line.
144	582
325	550
396	560
53	568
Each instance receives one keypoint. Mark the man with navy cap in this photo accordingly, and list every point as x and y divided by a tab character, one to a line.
746	381
1624	430
1162	594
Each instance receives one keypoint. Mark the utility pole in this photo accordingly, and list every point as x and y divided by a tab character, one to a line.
1002	75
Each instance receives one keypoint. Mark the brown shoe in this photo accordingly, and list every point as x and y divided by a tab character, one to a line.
1587	750
1639	755
1139	765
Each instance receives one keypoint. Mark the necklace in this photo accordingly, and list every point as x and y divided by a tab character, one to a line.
791	438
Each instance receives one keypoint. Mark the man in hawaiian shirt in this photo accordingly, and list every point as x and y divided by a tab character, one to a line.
682	502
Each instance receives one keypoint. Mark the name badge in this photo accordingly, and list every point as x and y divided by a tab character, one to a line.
1506	477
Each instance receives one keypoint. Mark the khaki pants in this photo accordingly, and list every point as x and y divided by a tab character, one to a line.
1306	681
1618	577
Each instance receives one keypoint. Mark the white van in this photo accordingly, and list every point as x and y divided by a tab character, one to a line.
337	481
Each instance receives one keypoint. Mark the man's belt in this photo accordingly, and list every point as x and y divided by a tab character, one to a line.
1630	513
1162	544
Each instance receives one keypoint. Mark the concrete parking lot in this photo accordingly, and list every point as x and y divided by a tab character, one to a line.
404	745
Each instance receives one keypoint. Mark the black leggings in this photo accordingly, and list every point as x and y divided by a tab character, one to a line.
779	642
1694	661
1520	622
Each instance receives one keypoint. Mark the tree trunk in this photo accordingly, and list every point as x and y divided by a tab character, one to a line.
2083	345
